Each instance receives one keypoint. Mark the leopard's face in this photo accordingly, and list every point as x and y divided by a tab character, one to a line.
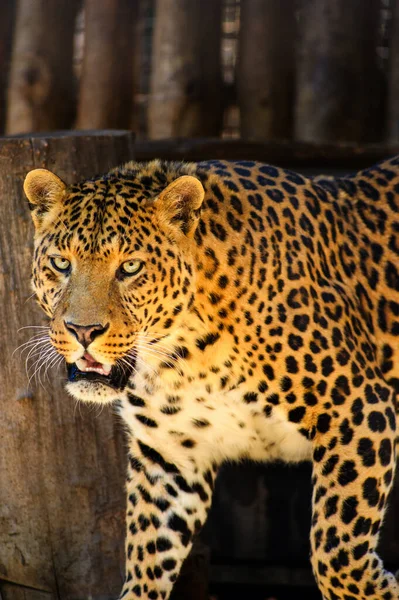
114	272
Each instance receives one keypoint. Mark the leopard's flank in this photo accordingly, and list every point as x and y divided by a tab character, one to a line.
232	310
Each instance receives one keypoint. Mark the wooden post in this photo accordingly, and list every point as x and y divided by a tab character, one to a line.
62	505
186	83
392	133
41	87
6	31
106	87
340	89
265	73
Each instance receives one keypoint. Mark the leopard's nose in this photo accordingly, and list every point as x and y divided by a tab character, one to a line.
85	334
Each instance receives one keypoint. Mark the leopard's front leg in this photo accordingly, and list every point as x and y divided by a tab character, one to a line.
353	467
166	506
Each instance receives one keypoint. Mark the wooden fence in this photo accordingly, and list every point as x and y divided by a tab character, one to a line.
301	70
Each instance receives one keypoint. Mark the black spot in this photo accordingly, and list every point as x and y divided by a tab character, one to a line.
291	364
176	523
346	432
331	506
360	550
188	443
385	452
310	399
200	423
169	564
143	522
370	491
301	322
285	384
392	276
327	366
319	453
366	451
163	544
268	371
135	400
361	527
349	509
223	281
207	340
320	493
296	414
250	397
330	465
295	341
323	423
357	411
272	171
322	568
391	418
340	561
146	421
347	473
332	539
157	458
273	399
377	421
268	410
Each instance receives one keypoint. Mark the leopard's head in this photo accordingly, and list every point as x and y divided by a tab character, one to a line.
113	269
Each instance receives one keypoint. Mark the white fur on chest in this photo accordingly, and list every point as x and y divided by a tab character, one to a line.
236	430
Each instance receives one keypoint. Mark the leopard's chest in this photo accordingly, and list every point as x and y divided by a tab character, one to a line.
194	422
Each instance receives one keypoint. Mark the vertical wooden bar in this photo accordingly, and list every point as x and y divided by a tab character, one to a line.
186	82
41	92
6	32
340	87
392	132
106	87
265	74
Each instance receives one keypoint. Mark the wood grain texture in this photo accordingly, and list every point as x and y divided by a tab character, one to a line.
265	73
186	79
61	465
392	131
10	591
41	90
339	81
323	157
106	85
7	12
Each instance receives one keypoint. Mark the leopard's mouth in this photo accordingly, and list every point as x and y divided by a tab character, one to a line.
89	370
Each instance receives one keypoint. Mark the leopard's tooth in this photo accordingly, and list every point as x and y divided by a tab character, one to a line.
81	363
106	369
85	366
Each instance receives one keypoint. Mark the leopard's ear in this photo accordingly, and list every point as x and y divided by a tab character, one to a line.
180	202
43	189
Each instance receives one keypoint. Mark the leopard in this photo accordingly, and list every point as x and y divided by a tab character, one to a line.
231	311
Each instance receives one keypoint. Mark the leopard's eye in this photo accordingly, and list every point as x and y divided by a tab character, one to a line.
131	267
60	264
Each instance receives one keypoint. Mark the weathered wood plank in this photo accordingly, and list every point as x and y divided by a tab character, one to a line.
265	73
106	85
6	33
61	465
393	81
186	80
339	83
41	85
10	591
323	157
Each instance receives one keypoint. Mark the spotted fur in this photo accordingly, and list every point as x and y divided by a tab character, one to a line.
263	324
